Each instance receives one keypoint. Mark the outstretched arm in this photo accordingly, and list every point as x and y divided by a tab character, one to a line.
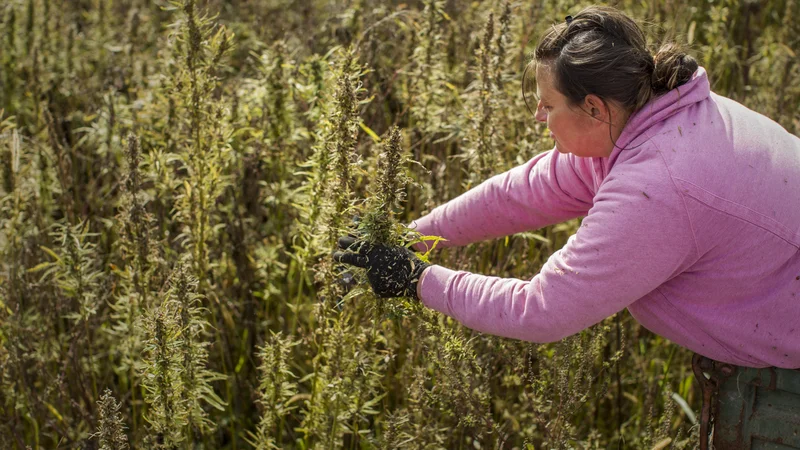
636	237
550	188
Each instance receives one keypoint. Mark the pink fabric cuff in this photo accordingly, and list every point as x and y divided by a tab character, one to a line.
432	288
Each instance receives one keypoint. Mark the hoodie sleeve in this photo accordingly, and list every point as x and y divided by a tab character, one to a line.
635	237
550	188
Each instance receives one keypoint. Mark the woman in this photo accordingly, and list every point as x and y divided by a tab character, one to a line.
691	205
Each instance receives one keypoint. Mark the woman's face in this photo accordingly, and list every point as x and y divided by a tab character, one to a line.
581	129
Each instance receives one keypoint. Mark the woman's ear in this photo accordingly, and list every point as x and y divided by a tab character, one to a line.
596	108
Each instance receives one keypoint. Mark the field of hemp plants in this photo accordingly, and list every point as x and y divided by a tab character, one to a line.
175	175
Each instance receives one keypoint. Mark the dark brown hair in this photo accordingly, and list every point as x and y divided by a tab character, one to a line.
602	51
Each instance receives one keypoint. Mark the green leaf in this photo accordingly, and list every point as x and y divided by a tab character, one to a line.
39	267
54	411
50	252
212	399
367	407
685	407
534	236
372	134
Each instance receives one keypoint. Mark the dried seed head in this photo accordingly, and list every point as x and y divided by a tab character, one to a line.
390	184
133	155
389	171
111	427
500	45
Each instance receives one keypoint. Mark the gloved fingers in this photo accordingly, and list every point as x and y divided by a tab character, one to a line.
352	243
354	259
346	277
346	241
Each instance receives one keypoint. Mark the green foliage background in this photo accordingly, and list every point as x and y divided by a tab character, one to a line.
174	176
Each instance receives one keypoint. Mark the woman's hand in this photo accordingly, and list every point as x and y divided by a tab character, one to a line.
392	270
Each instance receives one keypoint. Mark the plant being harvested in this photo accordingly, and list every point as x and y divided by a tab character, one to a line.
389	189
343	118
392	180
379	225
340	145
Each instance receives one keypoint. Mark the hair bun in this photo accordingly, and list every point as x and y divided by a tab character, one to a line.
673	67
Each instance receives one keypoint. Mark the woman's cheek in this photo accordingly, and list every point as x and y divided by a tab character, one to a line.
552	124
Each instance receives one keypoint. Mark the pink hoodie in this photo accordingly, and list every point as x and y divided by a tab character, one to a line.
693	225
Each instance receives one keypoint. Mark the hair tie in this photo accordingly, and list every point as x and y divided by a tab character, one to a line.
568	19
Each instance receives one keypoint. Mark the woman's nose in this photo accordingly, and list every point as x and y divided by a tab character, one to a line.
541	115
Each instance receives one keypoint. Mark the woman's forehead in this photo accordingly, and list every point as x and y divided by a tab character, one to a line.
544	81
544	75
538	82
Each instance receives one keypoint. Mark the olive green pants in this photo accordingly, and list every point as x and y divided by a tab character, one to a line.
748	408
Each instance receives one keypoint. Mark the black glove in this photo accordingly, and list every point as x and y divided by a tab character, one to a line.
392	270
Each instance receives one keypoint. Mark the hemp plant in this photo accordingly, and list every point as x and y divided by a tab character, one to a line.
17	192
484	128
177	383
140	261
427	92
136	243
317	169
276	389
389	187
202	148
336	205
75	273
341	145
160	375
111	427
195	378
9	46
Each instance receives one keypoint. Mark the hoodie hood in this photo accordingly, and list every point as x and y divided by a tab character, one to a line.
635	133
